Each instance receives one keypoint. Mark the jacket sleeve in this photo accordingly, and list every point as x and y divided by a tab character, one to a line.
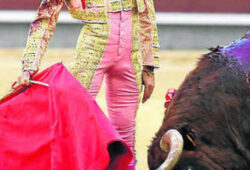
149	35
156	44
41	30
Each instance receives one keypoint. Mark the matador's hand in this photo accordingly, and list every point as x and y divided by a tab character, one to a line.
24	78
148	81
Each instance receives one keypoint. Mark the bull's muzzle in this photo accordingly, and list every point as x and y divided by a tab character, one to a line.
171	142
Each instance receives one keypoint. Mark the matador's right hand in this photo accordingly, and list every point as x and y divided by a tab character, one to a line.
24	78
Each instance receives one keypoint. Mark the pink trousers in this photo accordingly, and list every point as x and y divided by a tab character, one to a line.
121	87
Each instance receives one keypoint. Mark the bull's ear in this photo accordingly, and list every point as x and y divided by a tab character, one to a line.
189	137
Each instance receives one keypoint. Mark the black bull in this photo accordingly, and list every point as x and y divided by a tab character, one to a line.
211	112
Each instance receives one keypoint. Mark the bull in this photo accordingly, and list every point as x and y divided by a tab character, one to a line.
207	125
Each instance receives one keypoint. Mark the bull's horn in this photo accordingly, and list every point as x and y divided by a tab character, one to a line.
171	142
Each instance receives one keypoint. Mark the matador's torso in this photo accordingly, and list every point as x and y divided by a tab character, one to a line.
94	12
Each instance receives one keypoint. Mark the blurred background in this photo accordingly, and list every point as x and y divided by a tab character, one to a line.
183	24
187	28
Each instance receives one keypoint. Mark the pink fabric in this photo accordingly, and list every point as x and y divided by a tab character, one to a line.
121	87
59	127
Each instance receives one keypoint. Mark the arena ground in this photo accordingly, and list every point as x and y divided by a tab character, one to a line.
175	65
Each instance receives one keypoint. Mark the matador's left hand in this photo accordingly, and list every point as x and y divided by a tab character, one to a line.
148	81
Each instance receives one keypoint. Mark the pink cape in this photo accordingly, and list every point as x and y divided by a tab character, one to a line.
59	127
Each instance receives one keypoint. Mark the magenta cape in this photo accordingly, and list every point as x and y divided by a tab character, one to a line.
59	127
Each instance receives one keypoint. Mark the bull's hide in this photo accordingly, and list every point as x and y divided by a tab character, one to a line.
59	127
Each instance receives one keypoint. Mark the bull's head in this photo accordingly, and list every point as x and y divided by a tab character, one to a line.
172	143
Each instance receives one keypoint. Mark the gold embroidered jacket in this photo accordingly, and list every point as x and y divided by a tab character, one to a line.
96	11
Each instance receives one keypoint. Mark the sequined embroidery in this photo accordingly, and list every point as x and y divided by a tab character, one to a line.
90	48
95	3
141	5
115	5
93	15
136	55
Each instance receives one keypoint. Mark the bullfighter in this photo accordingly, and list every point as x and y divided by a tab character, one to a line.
118	41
